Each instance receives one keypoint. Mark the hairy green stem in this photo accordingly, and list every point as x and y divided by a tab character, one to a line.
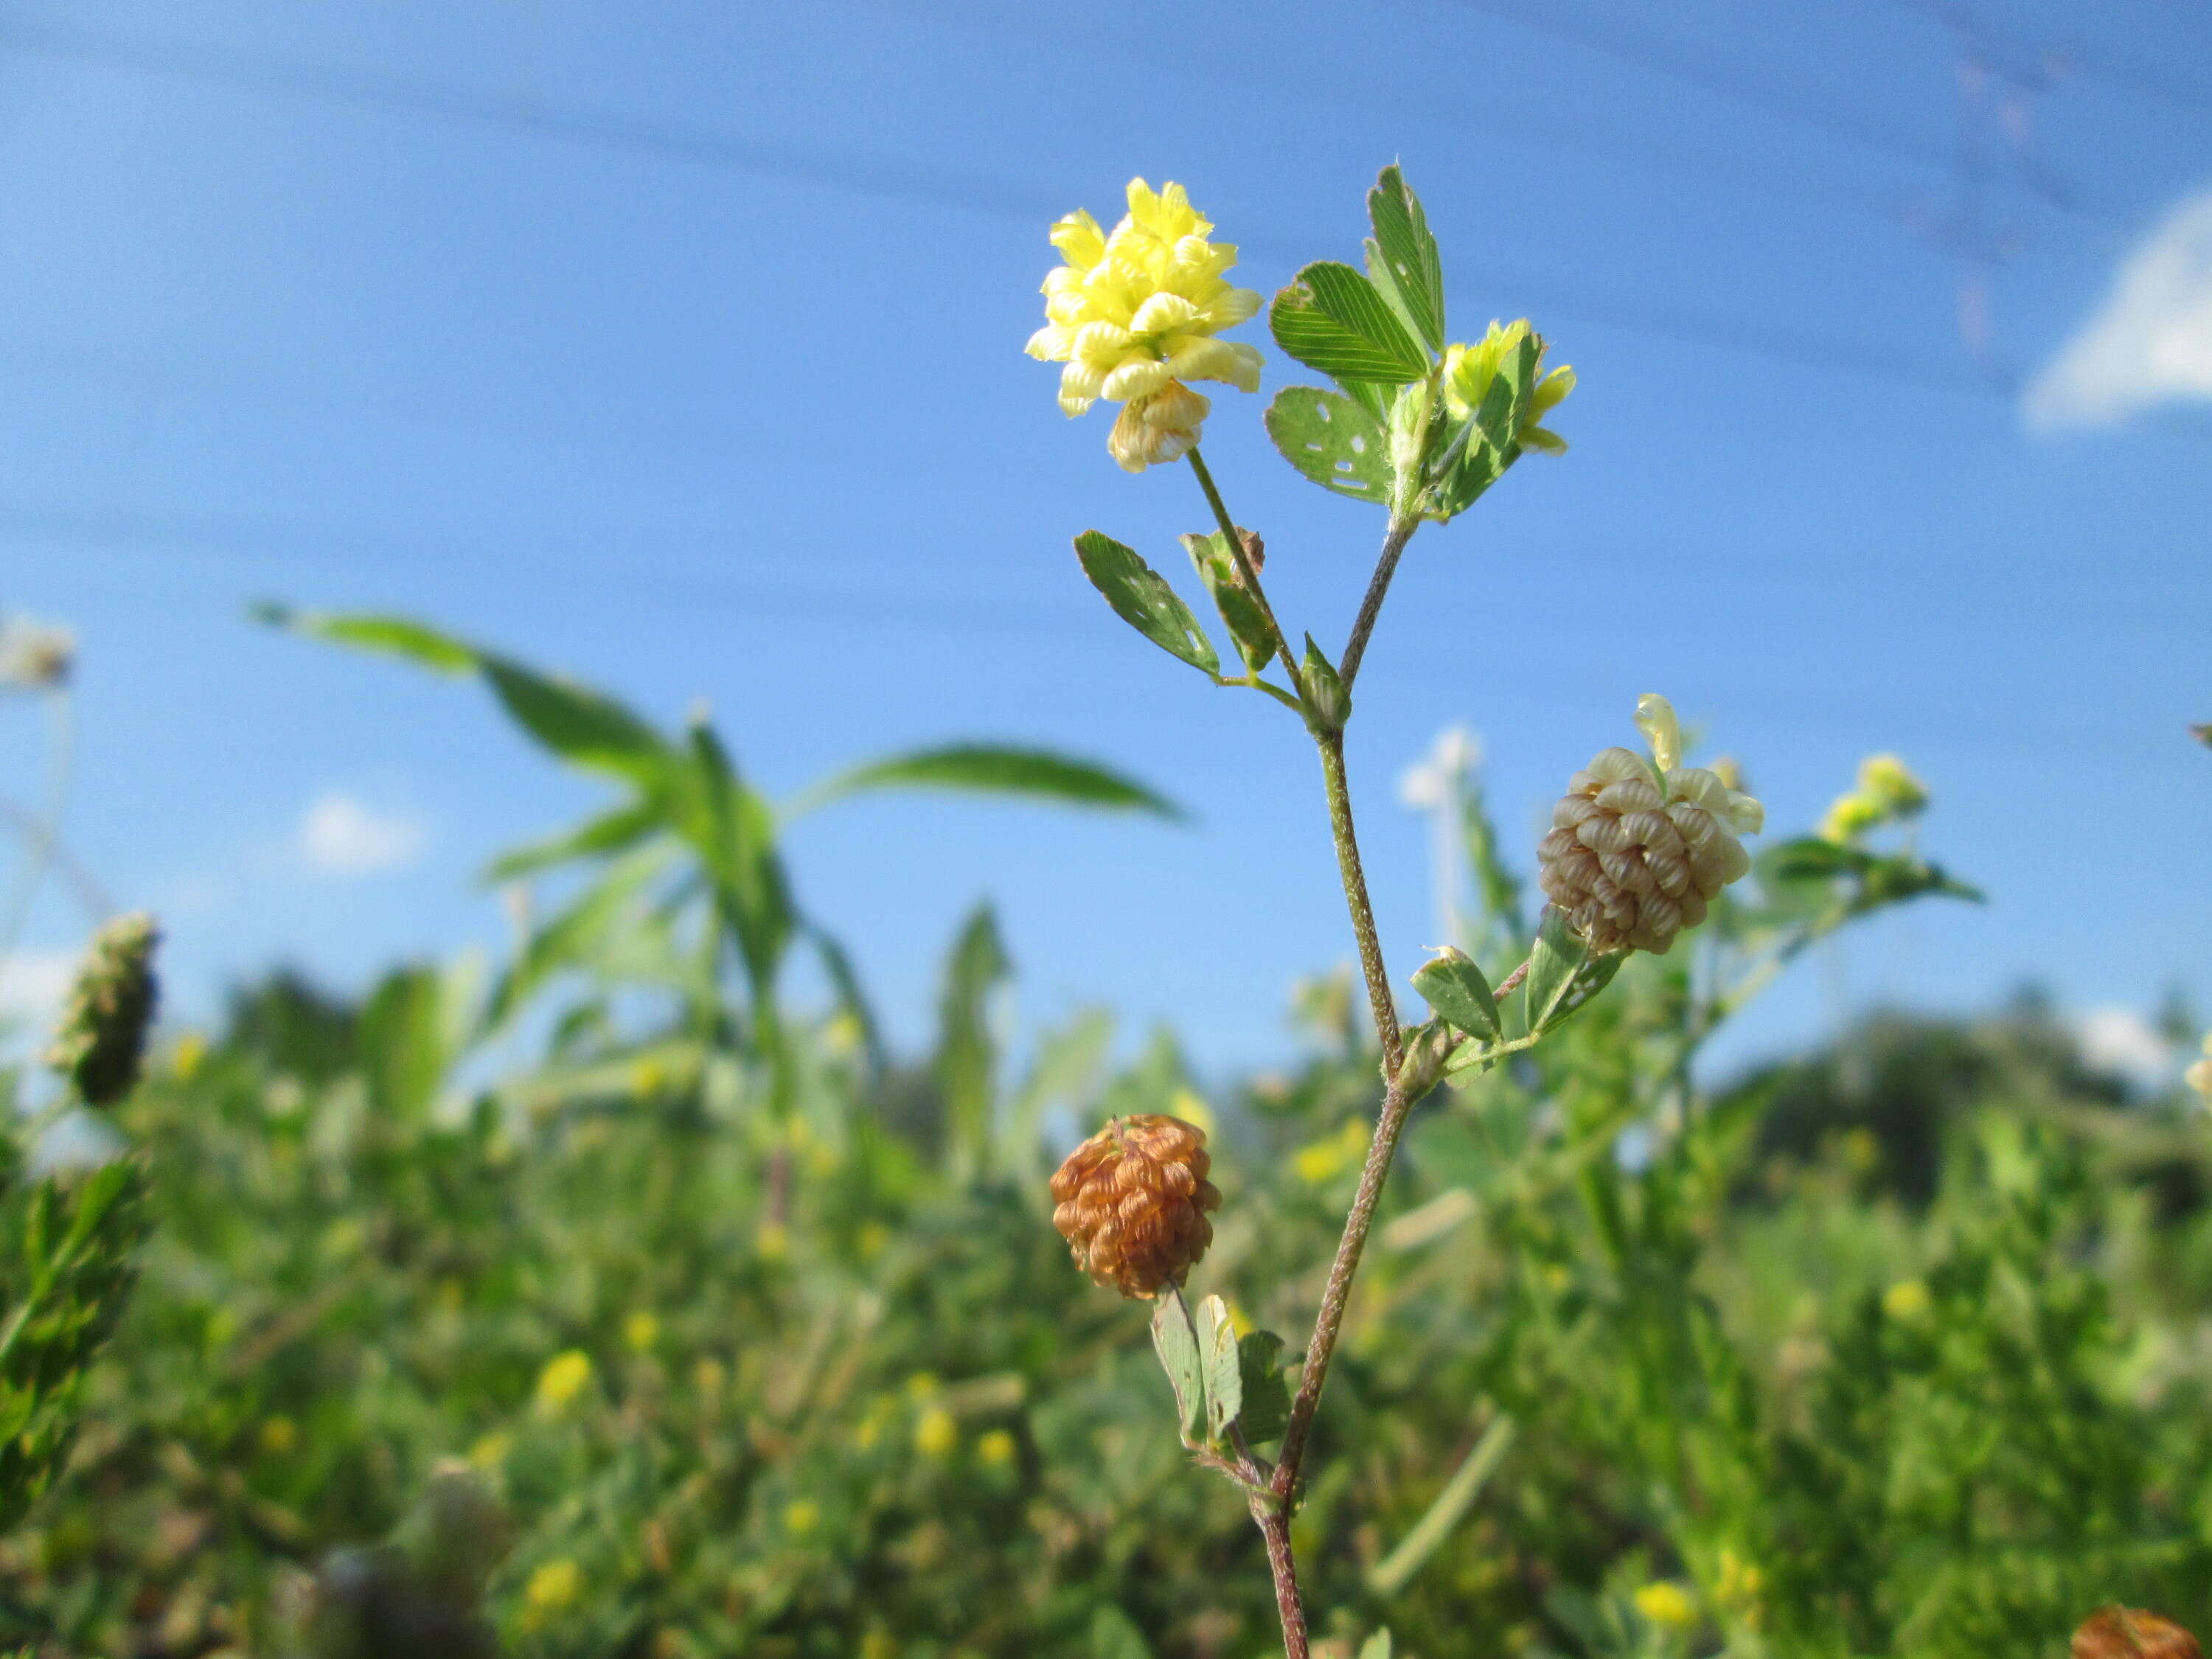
1378	587
1248	576
1355	897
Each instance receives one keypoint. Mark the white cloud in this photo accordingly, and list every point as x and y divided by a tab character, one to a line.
2119	1041
2149	343
32	985
340	836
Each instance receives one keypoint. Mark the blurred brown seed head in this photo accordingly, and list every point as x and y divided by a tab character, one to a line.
1132	1203
2131	1633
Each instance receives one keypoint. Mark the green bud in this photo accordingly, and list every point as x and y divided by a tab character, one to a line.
1328	705
102	1034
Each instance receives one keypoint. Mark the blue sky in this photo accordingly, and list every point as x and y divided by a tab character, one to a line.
678	347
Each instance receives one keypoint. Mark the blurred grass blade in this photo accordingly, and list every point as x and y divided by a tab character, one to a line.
1395	1571
967	1061
988	768
1066	1068
582	726
616	831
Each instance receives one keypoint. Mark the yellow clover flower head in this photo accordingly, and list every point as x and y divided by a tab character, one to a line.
1887	791
1469	370
1135	315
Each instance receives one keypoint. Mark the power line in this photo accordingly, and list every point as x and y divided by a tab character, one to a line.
1788	106
933	184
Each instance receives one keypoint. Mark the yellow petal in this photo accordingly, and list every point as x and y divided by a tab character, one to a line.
1140	377
1050	344
1655	718
1103	344
1077	237
1161	312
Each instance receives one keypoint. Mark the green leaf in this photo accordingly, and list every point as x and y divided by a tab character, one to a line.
1215	564
582	725
1218	1361
395	636
1563	975
1456	988
403	1042
1177	1343
1114	1635
1267	1410
997	770
1558	955
852	996
1377	1646
616	831
1142	599
1330	317
733	831
1332	440
1402	259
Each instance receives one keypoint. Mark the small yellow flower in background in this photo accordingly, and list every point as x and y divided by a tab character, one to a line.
552	1589
2199	1075
185	1058
935	1433
874	1238
565	1376
773	1241
1887	791
879	1645
1324	1160
840	1034
1135	315
1906	1300
490	1451
709	1378
923	1384
647	1076
640	1331
1667	1604
1188	1105
1470	369
995	1449
801	1515
279	1435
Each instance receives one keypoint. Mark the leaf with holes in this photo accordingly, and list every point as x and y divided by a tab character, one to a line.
1333	441
1331	319
1247	623
1219	1358
1142	599
1402	261
1267	1410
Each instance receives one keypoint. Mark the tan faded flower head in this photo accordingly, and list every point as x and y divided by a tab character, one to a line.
1640	847
2118	1632
1132	1202
1135	314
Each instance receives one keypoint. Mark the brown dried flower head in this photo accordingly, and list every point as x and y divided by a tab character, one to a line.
2131	1633
1639	848
1132	1202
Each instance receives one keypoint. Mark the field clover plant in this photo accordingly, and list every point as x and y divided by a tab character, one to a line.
1641	846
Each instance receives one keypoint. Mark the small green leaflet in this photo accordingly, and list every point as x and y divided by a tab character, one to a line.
1177	1344
1267	1410
1456	988
1402	260
1218	1359
1330	317
1142	599
1247	624
1333	441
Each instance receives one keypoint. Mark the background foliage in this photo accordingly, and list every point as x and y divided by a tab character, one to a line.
714	1328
